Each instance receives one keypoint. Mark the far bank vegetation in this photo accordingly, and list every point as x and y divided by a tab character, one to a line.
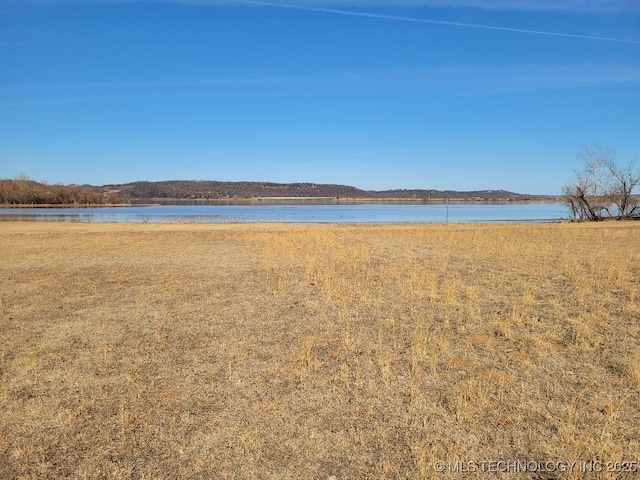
25	191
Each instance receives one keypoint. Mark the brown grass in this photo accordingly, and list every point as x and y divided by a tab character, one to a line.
275	351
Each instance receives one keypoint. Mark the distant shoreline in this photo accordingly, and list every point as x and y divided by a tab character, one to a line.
290	201
25	192
335	201
66	205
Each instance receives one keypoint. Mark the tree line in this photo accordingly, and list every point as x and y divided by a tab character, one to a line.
25	191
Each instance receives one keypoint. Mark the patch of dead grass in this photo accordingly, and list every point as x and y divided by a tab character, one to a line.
299	351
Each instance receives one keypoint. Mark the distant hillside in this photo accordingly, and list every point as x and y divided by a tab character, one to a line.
442	194
213	190
186	189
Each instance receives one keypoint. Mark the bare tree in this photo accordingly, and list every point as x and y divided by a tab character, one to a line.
602	190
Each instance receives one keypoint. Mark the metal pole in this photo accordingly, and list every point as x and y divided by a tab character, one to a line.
447	223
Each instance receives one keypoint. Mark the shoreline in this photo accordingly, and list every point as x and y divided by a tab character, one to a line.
147	202
67	206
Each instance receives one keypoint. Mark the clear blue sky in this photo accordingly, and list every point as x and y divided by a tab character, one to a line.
375	94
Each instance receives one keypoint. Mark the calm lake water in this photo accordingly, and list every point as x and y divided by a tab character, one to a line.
385	213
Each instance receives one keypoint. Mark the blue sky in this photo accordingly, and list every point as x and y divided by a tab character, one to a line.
375	94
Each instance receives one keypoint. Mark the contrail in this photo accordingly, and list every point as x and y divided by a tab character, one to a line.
336	11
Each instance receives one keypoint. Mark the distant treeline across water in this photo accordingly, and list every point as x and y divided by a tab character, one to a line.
24	191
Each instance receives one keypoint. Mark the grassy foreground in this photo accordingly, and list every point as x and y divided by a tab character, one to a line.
293	351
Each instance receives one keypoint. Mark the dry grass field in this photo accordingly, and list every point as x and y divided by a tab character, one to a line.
307	351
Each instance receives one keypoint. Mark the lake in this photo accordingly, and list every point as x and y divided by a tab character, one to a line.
360	213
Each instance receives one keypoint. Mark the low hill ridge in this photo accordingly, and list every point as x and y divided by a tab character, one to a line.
217	190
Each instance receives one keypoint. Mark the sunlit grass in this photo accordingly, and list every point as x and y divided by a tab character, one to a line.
294	351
